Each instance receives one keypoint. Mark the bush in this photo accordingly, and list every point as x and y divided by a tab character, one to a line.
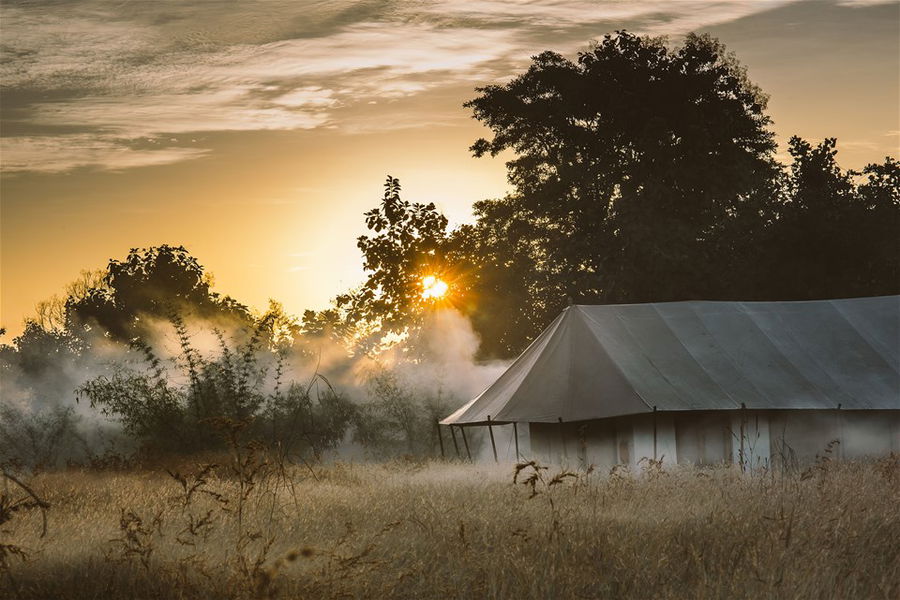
174	407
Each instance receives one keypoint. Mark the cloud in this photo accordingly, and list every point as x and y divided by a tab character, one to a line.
864	3
65	152
119	72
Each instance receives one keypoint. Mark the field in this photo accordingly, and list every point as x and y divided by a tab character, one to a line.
254	528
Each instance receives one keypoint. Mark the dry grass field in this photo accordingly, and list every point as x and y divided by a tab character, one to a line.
450	530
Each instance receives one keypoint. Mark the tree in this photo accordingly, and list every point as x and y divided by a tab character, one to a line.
630	164
150	283
834	237
405	246
509	297
50	314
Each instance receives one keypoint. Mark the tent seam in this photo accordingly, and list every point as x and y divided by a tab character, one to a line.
691	354
865	338
616	365
811	358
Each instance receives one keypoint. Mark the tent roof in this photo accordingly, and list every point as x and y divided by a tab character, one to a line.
594	362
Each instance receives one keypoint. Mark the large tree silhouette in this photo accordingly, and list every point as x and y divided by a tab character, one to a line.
640	173
833	236
630	163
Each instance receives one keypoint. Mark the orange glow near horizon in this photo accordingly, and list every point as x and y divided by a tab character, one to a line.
261	149
434	288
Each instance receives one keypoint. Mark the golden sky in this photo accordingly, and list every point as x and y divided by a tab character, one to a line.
257	132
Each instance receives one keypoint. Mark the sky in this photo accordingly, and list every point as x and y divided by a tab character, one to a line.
257	132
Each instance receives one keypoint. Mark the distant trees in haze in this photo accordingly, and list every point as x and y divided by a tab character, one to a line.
150	283
124	341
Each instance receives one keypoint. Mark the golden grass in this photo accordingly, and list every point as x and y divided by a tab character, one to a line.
449	530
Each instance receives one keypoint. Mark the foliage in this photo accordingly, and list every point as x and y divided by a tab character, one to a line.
641	173
40	439
149	283
173	407
631	166
833	237
405	246
397	418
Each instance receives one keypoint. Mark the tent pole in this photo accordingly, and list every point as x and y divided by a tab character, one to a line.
455	445
493	445
465	441
741	455
562	436
440	438
654	434
516	436
840	420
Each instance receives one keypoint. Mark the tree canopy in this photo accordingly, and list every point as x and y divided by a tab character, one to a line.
150	283
403	248
641	172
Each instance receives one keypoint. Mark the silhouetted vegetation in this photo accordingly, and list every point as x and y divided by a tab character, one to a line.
136	361
232	386
643	173
152	283
403	250
640	172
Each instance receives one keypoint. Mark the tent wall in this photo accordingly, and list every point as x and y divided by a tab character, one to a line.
751	438
799	436
605	442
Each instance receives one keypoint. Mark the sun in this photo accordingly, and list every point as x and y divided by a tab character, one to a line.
433	288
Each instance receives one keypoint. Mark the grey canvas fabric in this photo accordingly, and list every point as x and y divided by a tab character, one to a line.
595	362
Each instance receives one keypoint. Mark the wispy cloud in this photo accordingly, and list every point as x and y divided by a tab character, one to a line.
65	152
120	72
865	2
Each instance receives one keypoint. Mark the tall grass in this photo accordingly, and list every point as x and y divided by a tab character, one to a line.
251	528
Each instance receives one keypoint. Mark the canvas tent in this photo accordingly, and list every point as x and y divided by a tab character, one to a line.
705	382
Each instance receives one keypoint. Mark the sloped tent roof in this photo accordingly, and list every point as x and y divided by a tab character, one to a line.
595	362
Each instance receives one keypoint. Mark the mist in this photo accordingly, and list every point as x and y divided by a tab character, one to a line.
46	417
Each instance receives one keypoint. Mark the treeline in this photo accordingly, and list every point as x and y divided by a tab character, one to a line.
183	369
639	173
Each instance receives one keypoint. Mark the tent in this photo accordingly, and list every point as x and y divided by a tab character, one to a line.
703	376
